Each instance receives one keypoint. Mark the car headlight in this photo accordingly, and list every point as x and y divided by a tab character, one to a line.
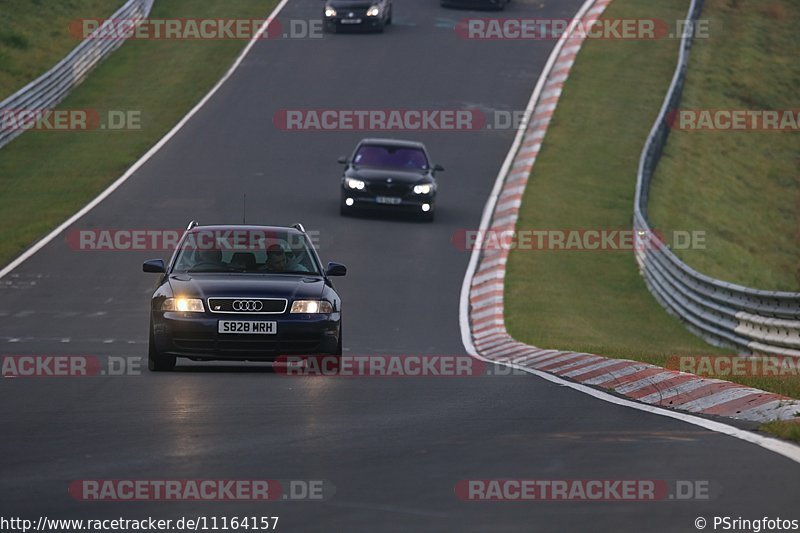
311	306
330	12
355	184
373	11
425	188
184	305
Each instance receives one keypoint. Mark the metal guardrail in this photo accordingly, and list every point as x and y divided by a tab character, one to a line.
50	88
725	314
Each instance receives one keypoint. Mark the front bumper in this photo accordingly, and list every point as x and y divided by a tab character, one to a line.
195	336
408	202
344	22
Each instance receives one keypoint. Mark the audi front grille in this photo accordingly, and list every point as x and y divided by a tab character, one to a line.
250	306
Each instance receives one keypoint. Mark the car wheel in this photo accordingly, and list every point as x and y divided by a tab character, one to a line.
343	209
428	217
156	361
389	18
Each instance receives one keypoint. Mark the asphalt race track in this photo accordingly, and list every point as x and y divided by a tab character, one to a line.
393	448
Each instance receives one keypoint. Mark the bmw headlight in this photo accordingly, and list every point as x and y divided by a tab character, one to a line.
425	188
330	12
184	305
355	184
312	306
373	11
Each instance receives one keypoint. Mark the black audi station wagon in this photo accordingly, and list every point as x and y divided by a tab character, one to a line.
243	293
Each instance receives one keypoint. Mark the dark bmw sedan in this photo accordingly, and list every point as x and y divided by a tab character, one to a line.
246	293
389	174
357	14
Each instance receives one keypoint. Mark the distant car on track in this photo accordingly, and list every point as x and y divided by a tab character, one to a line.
389	174
479	4
357	14
244	293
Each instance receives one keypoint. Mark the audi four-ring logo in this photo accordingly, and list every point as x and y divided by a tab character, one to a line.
247	305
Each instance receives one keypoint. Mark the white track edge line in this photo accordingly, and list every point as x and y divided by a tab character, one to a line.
780	447
146	157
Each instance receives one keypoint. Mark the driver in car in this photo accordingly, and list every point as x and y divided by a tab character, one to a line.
278	261
208	259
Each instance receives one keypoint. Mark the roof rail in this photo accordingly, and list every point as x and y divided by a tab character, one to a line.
298	226
191	225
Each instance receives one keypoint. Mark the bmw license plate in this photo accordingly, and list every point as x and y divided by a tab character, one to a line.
247	327
351	21
393	200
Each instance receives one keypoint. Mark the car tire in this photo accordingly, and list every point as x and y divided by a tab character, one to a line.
389	18
156	361
429	216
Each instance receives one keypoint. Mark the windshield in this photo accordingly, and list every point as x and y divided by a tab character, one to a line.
375	155
246	251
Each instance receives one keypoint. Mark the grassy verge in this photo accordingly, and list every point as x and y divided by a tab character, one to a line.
162	79
785	430
584	178
741	188
34	36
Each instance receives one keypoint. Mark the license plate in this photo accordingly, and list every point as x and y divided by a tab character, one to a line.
247	327
351	21
393	200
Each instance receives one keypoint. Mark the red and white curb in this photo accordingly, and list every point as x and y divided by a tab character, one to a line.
484	309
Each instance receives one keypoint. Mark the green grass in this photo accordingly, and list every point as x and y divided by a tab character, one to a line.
162	79
584	178
785	430
34	36
741	188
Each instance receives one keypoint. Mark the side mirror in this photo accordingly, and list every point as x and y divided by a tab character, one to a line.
342	160
154	266
335	269
438	168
